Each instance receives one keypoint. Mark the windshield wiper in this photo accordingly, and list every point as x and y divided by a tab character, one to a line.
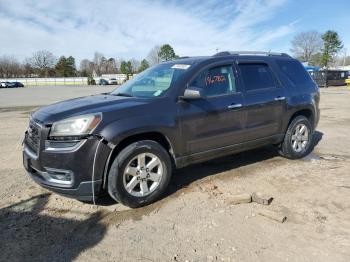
122	94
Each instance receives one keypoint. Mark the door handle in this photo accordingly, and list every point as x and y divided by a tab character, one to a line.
234	106
280	98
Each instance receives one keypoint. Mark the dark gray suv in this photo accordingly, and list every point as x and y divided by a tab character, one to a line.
185	111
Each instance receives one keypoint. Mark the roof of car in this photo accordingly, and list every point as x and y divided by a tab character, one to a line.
230	54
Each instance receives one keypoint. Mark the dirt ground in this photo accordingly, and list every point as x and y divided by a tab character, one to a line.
195	221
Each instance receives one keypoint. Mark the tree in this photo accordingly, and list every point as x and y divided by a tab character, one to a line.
144	65
126	68
86	67
342	59
9	67
65	66
135	64
28	70
103	65
346	61
306	44
331	45
98	58
71	66
43	61
118	62
166	53
315	59
153	55
111	66
99	65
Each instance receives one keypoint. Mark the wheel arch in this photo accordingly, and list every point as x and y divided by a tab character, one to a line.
306	112
155	136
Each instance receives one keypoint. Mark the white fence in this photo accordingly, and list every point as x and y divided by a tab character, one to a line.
49	81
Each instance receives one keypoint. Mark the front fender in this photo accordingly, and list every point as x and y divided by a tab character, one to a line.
118	130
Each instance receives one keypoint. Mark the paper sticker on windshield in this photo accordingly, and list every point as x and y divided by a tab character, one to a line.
180	66
158	92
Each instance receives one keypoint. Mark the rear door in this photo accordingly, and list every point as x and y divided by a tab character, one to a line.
219	119
265	99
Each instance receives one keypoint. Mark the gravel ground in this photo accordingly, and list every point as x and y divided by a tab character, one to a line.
195	221
44	95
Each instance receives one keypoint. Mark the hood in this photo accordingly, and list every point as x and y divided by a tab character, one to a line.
85	105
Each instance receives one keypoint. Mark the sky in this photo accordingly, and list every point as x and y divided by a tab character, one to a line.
129	29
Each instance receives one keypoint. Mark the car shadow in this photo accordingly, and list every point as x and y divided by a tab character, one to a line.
28	233
183	177
186	176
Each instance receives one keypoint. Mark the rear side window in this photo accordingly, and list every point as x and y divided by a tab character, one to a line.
257	76
294	71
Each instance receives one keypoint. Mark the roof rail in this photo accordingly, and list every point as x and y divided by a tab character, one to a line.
225	53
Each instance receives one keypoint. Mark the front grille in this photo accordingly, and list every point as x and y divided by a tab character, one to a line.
32	136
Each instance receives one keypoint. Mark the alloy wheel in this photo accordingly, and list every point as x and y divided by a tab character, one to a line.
143	174
300	138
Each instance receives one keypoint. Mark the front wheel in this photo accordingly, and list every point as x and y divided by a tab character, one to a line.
139	174
298	138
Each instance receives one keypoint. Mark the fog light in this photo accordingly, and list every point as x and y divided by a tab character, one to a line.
63	177
60	176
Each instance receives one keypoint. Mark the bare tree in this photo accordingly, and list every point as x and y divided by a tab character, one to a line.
103	65
118	62
99	65
111	66
342	59
10	67
86	67
43	61
135	64
98	58
306	44
154	56
27	68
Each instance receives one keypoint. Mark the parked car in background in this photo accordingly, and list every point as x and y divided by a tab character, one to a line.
11	84
171	115
102	82
112	81
15	84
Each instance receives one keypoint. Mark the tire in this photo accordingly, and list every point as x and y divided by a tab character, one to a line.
130	158
293	146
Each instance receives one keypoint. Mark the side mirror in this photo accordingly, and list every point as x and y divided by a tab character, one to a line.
192	93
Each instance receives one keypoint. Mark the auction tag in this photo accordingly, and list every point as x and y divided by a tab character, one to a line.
181	66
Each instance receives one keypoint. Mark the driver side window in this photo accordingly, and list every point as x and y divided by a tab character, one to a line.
216	81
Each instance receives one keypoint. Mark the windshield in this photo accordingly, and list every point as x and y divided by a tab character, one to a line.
152	82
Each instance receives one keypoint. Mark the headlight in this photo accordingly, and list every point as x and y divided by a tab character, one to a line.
75	126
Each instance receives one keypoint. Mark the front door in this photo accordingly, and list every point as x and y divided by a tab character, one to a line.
219	119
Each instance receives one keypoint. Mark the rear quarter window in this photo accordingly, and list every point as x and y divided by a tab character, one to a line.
294	71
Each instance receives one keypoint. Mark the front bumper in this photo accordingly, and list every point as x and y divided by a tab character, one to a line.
83	192
75	164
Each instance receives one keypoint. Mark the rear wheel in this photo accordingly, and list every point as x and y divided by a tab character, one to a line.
139	174
298	138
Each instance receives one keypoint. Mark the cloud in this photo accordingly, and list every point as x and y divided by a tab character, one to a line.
131	28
